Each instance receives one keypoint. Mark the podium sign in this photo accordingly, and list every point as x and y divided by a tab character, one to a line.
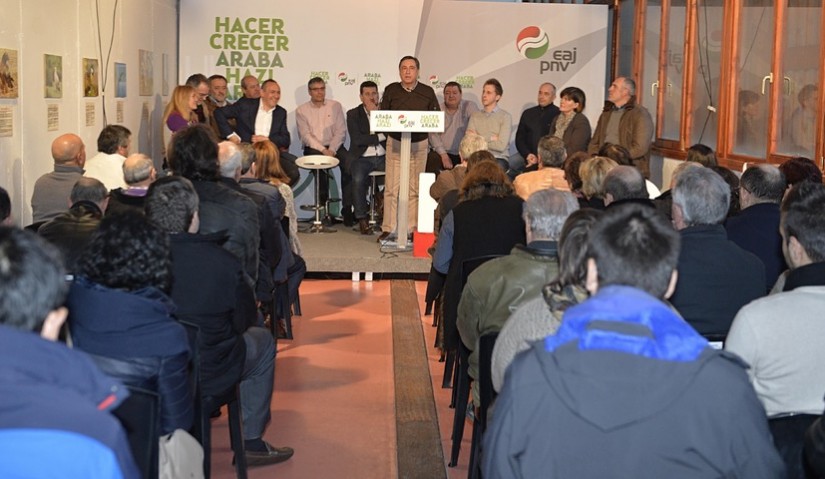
412	121
406	123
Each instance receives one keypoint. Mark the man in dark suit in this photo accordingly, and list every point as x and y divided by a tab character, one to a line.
252	116
367	153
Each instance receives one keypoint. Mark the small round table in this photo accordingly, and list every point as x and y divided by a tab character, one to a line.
316	163
374	195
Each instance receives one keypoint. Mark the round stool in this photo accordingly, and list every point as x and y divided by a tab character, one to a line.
374	194
316	163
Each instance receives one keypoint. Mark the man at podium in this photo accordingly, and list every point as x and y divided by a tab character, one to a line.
408	94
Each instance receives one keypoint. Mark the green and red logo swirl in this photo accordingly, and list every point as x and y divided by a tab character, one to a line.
532	42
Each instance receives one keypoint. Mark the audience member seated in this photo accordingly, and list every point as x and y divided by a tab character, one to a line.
193	154
552	154
138	173
702	154
800	169
593	172
733	184
51	191
112	148
72	230
571	172
449	180
486	221
120	314
55	404
445	152
209	290
664	202
499	286
716	277
780	335
625	184
621	156
268	168
571	126
756	227
541	316
625	388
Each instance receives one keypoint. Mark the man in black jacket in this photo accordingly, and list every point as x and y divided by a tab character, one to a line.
209	290
367	153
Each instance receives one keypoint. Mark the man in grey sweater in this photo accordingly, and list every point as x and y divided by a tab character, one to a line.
51	191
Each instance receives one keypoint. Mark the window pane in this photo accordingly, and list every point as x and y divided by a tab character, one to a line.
755	46
797	105
674	66
706	68
650	69
627	14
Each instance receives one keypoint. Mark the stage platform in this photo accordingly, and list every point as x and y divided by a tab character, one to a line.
348	251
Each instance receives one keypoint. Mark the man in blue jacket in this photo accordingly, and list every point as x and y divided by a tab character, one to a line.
626	388
54	402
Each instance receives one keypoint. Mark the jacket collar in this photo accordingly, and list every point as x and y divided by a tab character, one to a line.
809	275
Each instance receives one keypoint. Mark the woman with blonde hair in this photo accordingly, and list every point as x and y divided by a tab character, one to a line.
268	167
593	173
180	111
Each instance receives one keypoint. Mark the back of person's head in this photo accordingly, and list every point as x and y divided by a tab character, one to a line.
571	169
470	144
268	163
477	157
617	153
127	252
765	183
88	189
625	183
747	97
552	152
545	212
800	169
113	137
702	154
803	217
32	279
247	157
193	153
485	179
171	204
702	196
137	168
5	206
732	180
573	250
229	159
592	172
682	167
634	245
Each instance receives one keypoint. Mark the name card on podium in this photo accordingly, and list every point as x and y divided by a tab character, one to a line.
399	121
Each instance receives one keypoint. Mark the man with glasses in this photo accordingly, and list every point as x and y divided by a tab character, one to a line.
322	130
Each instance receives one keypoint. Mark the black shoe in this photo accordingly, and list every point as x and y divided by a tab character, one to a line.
273	455
384	235
364	226
348	217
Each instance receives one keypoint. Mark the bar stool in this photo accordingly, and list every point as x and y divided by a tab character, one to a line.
374	195
316	163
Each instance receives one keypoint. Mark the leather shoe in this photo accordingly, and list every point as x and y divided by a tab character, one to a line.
364	226
273	455
384	235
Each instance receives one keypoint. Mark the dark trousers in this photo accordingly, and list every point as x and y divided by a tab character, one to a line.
346	179
434	164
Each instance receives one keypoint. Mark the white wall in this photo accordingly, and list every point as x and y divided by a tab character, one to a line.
69	28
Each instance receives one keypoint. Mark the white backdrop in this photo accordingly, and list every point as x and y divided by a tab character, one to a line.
347	42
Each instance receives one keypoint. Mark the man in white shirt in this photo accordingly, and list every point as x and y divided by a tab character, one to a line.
107	165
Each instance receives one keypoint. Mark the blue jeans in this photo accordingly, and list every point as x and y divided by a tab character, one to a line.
360	170
257	381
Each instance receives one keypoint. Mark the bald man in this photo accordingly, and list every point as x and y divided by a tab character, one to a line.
51	191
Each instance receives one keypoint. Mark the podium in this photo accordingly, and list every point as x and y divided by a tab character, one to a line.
406	123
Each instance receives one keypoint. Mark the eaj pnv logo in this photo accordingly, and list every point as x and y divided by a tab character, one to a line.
532	42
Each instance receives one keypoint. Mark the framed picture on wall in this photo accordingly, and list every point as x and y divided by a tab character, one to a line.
53	76
8	73
120	80
91	71
146	73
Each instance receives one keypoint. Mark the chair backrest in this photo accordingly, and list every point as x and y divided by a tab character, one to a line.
487	394
139	415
